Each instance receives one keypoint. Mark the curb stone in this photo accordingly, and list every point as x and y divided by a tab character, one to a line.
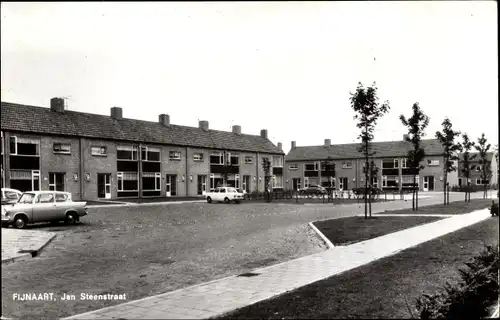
322	236
29	255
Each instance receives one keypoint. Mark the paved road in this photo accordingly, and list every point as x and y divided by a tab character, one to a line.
146	250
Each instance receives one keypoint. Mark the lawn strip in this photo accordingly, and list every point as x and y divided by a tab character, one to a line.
350	230
387	288
456	207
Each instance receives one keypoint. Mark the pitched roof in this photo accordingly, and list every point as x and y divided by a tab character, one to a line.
489	156
350	150
40	120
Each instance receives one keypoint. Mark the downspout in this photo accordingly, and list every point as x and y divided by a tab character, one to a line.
187	180
82	170
257	171
139	158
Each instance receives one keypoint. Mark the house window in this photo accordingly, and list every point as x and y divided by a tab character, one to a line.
56	181
64	148
433	162
174	155
151	181
481	181
248	159
127	181
150	154
293	167
396	163
374	182
306	182
347	165
311	166
384	181
13	145
198	157
278	181
234	158
126	153
24	146
277	161
478	168
404	163
99	151
217	158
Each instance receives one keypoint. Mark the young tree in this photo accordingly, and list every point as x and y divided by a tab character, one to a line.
447	139
498	172
266	166
373	175
467	167
365	102
483	147
416	125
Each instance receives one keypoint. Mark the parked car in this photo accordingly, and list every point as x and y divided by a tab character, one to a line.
44	206
226	194
9	197
313	189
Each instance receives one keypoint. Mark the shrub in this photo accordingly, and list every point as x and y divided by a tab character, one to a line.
494	209
470	298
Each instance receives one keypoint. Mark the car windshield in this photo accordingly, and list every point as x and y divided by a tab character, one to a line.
10	195
27	198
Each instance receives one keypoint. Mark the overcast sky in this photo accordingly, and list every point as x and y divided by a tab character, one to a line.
287	67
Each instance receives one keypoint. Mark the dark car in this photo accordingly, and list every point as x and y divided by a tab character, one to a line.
313	189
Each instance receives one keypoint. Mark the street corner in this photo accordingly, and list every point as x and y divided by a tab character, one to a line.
23	244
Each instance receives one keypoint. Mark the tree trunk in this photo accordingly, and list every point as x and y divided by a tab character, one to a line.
444	190
416	199
413	194
366	200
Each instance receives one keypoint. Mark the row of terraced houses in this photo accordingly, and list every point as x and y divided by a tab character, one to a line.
111	157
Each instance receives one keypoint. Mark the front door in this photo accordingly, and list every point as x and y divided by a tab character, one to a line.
171	185
35	180
202	185
427	182
104	185
431	183
246	183
296	184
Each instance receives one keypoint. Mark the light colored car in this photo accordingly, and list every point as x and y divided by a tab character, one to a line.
44	206
226	194
9	197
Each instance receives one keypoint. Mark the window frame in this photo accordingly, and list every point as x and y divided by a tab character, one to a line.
404	163
157	181
119	178
105	154
217	154
347	165
280	161
296	166
134	151
201	157
432	163
61	144
15	144
247	158
396	163
174	158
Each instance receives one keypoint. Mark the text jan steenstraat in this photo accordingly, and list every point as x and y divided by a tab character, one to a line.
51	296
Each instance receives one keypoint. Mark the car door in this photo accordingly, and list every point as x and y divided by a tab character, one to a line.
44	208
62	204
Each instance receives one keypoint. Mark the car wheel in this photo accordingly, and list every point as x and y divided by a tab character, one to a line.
71	218
226	200
209	200
20	222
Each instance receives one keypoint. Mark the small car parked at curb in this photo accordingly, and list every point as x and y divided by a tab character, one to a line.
226	194
44	206
313	189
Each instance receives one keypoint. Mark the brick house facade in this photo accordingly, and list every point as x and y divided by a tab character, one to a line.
304	166
109	157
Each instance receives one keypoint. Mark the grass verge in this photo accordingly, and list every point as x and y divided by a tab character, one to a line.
456	207
350	230
386	288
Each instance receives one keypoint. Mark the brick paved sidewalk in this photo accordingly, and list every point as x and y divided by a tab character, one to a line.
27	241
224	295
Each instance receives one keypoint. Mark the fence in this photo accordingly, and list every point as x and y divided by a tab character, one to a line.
330	196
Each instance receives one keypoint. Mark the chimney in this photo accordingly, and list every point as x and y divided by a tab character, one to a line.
116	113
237	129
294	144
328	142
280	146
203	125
164	119
57	104
405	136
263	133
